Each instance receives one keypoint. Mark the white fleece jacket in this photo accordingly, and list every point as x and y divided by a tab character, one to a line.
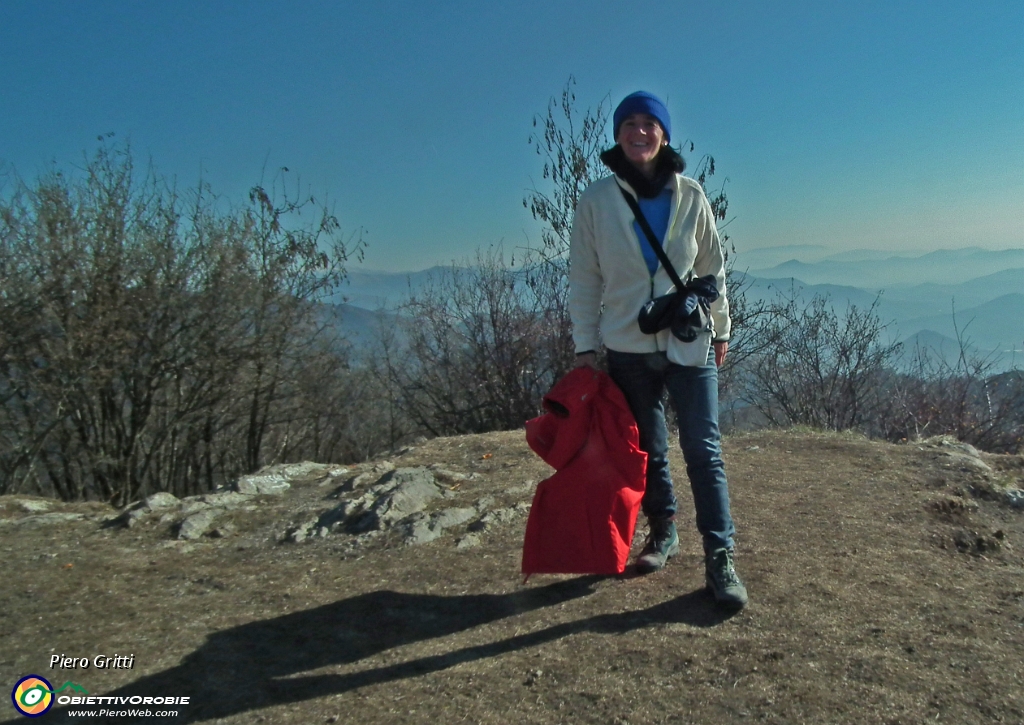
609	281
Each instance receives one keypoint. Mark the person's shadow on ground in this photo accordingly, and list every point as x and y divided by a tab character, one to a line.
253	666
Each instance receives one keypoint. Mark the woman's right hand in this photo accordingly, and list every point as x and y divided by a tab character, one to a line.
588	358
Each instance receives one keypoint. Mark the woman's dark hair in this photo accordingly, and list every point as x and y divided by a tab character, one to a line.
667	162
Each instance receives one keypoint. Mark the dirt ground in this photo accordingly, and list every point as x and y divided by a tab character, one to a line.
885	587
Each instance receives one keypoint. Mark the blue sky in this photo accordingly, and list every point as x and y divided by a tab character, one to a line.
888	125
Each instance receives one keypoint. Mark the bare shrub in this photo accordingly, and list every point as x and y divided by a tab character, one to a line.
819	368
570	143
476	356
151	343
965	398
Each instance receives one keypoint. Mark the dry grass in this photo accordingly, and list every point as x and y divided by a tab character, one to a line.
881	592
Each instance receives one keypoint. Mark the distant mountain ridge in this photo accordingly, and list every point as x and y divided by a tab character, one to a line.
917	295
999	323
944	266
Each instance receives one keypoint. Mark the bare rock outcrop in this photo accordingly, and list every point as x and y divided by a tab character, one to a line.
262	483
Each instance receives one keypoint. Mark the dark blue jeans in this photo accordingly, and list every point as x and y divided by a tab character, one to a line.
643	377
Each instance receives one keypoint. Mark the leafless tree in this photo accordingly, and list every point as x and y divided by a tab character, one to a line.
152	342
476	357
964	397
819	368
570	143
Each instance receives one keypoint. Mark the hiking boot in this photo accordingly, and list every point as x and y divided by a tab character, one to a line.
721	578
662	543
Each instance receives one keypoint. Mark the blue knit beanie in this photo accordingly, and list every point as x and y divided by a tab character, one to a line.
642	102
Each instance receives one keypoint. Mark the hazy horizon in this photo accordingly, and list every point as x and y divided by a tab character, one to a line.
811	253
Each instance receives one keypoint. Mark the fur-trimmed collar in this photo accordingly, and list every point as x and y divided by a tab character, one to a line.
668	162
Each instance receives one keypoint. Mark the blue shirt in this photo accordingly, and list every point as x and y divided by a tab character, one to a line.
656	211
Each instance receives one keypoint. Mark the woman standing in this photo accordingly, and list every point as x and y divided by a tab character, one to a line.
614	271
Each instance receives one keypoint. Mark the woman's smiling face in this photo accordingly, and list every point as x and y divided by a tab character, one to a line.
641	138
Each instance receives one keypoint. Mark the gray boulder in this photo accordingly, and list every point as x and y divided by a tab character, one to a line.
193	505
262	483
397	495
499	517
326	523
35	506
419	531
422	529
161	500
224	500
306	469
194	526
369	476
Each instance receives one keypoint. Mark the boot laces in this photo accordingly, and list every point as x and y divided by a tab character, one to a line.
657	540
722	567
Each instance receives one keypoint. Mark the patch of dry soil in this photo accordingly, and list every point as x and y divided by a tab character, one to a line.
885	583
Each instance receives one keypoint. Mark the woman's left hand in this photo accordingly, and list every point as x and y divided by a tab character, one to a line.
721	349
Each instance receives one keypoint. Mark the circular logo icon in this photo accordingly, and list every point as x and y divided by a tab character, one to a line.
32	696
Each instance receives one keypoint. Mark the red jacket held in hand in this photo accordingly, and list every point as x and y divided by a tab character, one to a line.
583	517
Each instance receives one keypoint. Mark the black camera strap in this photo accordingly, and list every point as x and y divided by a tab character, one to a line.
642	221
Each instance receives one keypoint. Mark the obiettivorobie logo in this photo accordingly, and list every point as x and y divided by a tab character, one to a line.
33	695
